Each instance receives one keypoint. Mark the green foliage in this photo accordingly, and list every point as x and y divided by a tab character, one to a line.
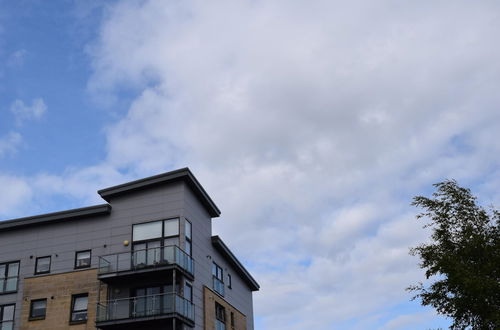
462	259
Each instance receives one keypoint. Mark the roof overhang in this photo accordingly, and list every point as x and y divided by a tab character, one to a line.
54	217
231	258
183	174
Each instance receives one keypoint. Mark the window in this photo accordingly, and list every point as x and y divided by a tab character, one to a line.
220	317
157	243
147	254
155	230
188	234
217	272
82	259
188	291
171	227
232	319
38	308
229	281
9	272
79	304
7	317
187	306
218	279
42	265
146	231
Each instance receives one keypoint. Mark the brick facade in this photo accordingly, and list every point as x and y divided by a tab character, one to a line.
58	289
209	300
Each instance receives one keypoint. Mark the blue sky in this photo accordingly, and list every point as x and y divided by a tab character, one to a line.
311	124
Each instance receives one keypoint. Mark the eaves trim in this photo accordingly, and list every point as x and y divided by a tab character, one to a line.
231	258
35	220
181	174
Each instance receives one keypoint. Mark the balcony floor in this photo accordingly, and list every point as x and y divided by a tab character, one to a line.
142	274
157	322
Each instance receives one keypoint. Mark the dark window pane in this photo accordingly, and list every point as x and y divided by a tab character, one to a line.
42	265
79	308
38	308
188	229
188	292
220	312
82	259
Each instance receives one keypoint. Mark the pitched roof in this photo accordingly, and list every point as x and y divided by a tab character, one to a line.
230	257
55	217
183	174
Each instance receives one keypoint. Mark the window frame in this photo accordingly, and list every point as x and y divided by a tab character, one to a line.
190	285
72	310
76	259
220	311
162	239
229	281
41	317
2	307
6	276
218	282
161	236
190	238
37	272
217	267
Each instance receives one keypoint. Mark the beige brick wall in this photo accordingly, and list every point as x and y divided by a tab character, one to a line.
209	299
58	289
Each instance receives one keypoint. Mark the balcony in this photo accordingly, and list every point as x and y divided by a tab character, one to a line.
218	286
127	264
139	312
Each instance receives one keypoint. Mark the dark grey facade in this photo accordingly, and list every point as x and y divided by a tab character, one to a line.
148	273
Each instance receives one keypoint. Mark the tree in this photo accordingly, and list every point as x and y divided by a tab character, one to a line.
462	259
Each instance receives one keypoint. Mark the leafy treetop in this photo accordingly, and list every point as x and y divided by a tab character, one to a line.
462	259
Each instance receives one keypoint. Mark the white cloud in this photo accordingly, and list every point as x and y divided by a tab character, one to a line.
9	143
415	321
15	191
16	59
24	112
311	124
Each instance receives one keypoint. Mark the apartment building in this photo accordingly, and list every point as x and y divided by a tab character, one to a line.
145	259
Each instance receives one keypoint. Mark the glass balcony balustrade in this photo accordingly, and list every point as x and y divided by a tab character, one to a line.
145	306
218	285
146	258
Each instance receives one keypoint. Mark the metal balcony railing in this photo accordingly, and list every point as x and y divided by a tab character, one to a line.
144	306
218	285
146	258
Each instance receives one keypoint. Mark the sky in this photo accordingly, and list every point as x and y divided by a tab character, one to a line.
311	124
